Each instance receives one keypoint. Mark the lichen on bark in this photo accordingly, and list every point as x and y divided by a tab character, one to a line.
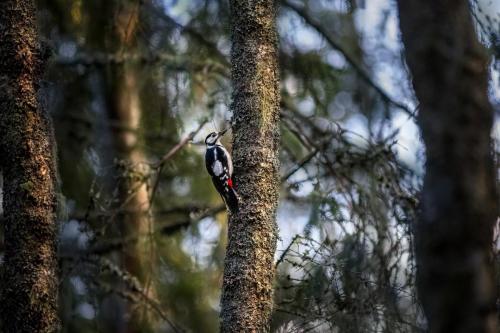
29	272
247	296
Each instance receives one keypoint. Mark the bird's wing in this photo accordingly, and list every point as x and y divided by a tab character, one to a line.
227	162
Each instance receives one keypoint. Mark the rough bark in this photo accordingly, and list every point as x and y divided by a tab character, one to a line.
459	202
27	160
248	270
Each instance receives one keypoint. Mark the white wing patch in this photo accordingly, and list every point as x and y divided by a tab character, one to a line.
217	168
229	161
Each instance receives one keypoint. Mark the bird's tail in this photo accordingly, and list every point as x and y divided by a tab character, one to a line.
231	199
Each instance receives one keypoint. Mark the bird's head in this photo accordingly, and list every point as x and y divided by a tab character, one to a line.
213	138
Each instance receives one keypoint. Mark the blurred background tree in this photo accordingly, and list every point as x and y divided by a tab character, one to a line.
134	87
454	233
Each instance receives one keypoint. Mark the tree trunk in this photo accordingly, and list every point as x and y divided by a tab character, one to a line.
124	111
247	296
459	200
29	281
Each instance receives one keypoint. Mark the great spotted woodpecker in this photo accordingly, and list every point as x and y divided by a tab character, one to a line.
220	167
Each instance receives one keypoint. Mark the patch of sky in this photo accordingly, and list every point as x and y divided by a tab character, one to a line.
181	186
86	310
200	246
67	49
294	32
78	285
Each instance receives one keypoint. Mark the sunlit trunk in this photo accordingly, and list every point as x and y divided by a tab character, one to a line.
247	296
27	160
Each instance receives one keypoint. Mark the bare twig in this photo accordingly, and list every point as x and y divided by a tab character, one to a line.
159	165
300	165
134	286
285	252
180	145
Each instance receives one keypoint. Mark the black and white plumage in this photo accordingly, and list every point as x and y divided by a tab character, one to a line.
220	167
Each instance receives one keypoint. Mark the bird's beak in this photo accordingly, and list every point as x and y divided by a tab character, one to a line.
222	132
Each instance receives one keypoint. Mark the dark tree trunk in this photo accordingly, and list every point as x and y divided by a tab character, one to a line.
247	296
27	160
459	202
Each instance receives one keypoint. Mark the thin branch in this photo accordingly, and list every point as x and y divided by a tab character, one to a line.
192	32
181	144
135	287
159	165
285	252
300	164
169	229
168	60
112	245
348	57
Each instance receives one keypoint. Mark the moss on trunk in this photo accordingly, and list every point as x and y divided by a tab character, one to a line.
29	279
247	297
